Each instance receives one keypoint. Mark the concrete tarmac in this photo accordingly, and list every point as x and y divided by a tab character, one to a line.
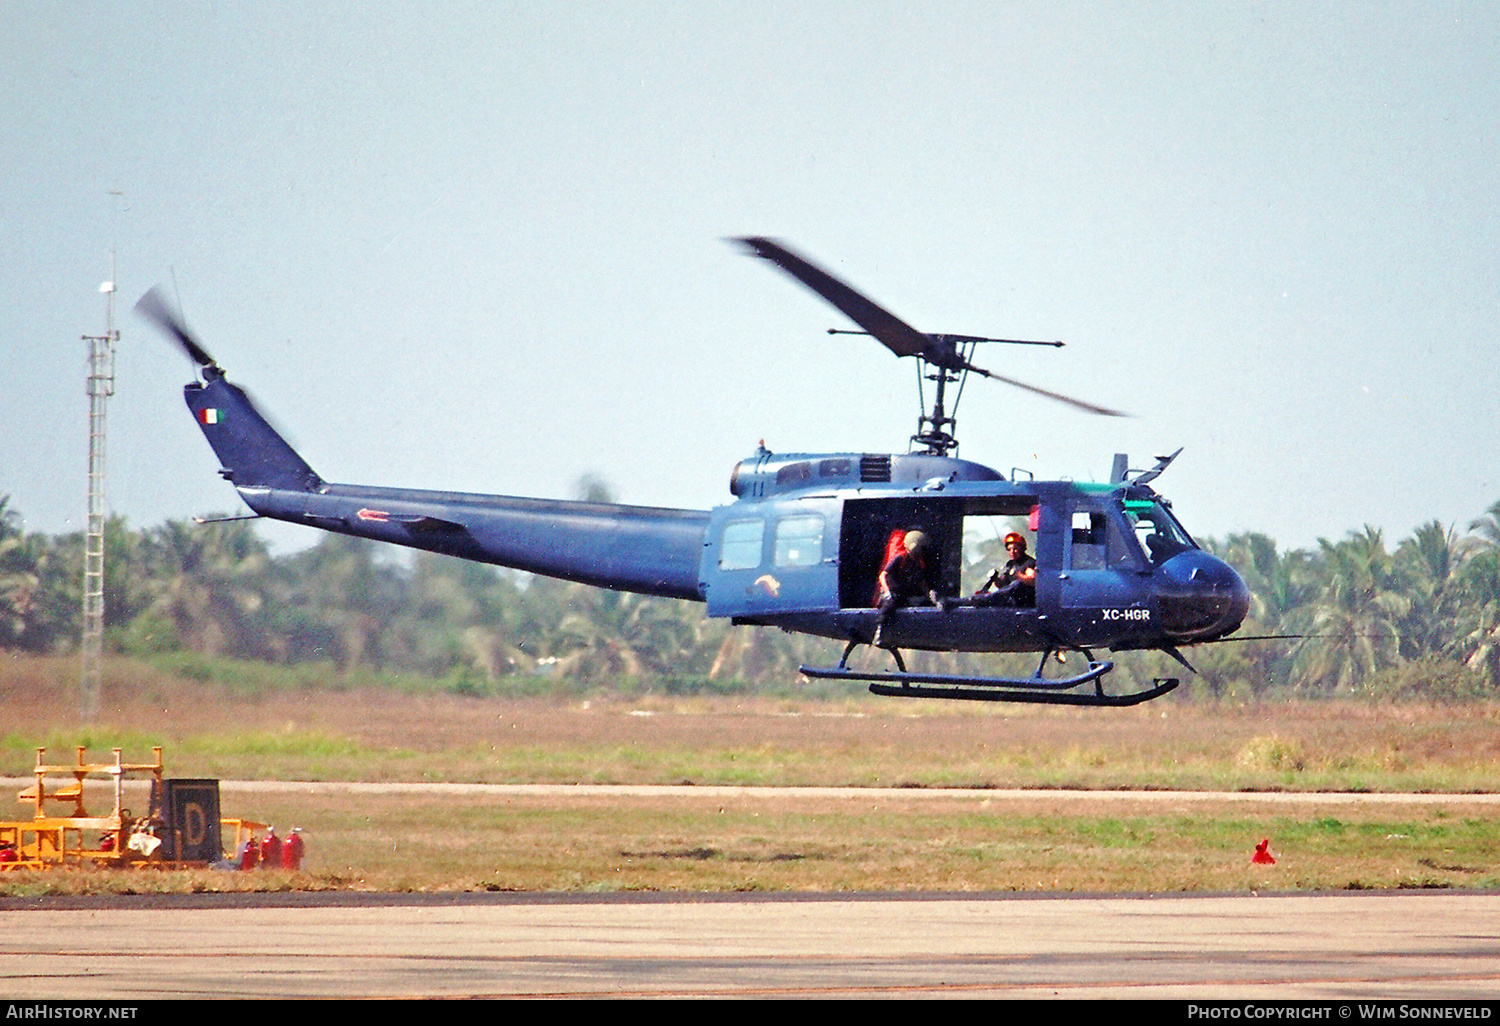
1339	948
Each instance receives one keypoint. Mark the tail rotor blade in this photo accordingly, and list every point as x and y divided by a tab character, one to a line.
155	309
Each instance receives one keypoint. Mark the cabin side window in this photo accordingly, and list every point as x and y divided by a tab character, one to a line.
1098	543
799	541
740	547
1088	541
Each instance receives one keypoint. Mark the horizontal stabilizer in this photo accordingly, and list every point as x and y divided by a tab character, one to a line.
427	524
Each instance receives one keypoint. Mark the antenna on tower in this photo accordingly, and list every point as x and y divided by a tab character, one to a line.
100	386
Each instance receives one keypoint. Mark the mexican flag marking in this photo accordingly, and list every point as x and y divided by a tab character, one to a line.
210	416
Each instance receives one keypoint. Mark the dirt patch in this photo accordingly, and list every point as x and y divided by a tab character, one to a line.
385	735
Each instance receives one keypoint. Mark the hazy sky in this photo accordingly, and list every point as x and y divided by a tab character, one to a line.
481	246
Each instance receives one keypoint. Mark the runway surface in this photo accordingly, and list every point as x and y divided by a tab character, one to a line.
1337	948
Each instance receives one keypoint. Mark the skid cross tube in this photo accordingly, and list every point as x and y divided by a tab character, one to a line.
1032	696
1036	689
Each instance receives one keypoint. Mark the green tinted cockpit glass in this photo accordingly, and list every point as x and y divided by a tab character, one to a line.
1158	532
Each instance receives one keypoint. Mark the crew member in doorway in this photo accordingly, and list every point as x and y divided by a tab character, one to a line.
1013	584
906	576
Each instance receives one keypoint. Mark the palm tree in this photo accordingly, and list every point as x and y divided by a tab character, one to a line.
1428	566
761	655
1354	622
1487	527
1478	597
1282	585
18	576
466	613
344	596
1479	630
209	581
593	637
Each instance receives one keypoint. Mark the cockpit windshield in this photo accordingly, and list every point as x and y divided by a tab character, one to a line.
1160	535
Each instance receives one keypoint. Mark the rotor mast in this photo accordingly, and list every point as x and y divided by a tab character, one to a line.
946	361
934	432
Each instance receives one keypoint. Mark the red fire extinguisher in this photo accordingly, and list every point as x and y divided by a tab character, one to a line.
270	850
291	850
249	853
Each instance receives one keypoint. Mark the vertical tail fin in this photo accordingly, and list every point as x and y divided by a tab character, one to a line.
250	451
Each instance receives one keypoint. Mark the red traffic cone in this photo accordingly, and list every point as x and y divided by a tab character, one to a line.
1262	856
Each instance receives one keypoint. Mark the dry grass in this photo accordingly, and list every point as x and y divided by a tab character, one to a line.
772	842
862	741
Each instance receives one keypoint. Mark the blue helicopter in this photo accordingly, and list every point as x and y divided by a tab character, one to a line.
811	541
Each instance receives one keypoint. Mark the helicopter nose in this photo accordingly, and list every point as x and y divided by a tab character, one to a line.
1200	597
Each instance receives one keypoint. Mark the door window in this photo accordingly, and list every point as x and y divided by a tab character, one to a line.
799	541
740	548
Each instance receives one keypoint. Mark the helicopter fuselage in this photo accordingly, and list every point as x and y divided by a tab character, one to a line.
802	544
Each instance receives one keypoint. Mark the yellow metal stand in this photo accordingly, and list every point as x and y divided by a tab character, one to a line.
73	837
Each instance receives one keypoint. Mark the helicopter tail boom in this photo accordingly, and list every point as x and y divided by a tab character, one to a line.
630	548
640	549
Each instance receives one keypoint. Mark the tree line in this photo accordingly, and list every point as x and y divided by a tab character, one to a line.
1420	618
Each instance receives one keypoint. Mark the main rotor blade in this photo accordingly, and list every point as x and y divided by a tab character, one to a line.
1103	411
897	336
155	309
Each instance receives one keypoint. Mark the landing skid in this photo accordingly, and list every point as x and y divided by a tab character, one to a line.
1036	689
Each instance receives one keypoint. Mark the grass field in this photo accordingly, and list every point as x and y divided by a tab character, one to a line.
773	842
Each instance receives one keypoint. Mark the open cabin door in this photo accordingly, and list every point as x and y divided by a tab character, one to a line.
824	554
954	525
